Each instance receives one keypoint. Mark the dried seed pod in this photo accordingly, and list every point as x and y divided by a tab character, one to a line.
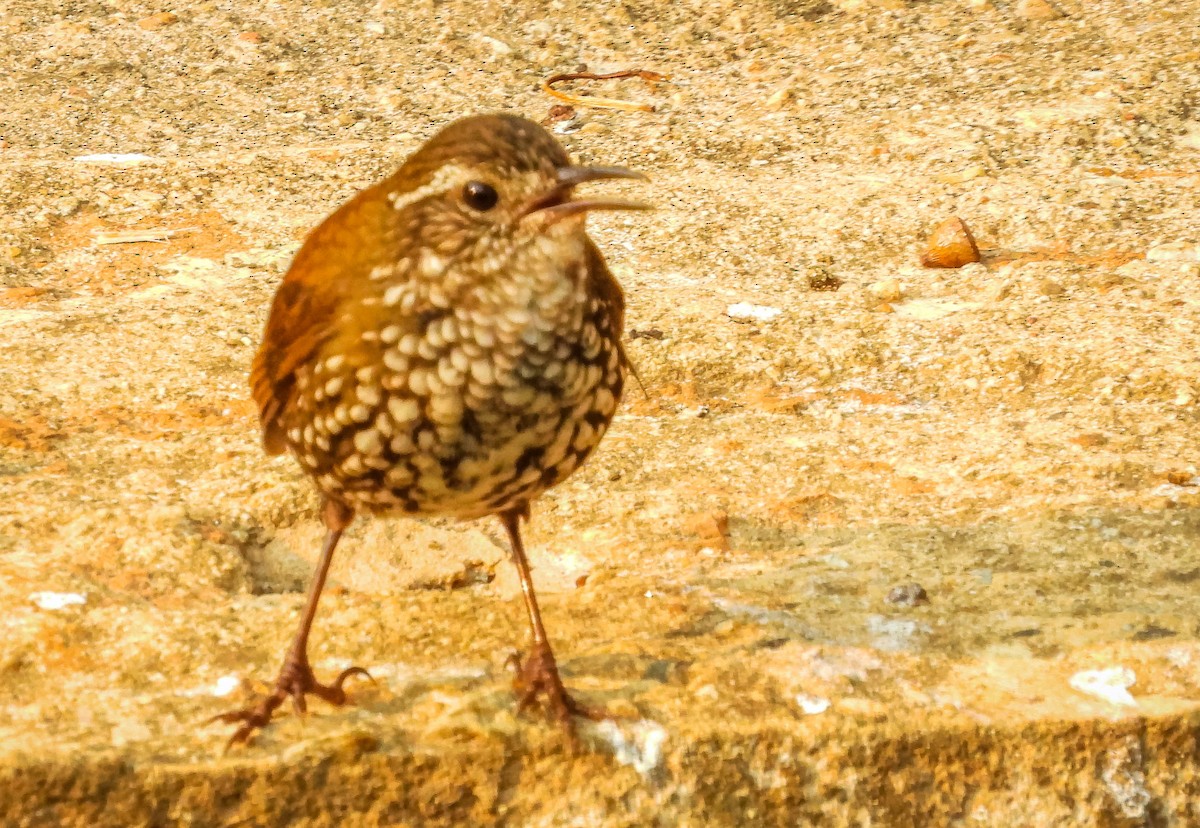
950	245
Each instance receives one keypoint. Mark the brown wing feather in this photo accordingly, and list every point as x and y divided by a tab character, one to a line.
604	284
336	256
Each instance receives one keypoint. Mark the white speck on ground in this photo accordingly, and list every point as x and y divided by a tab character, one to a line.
1110	684
641	749
226	685
812	705
746	312
57	600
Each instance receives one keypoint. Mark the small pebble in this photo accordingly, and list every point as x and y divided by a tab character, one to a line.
908	595
1049	287
887	290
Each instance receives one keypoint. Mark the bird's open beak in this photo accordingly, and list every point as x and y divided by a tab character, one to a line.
557	203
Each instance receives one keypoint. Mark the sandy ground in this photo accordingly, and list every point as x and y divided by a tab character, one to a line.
1017	436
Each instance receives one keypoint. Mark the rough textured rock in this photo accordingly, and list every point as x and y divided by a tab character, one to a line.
1018	435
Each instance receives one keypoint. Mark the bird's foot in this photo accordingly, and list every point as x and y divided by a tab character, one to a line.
537	677
296	680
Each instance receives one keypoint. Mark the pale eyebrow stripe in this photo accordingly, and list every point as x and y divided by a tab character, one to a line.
442	180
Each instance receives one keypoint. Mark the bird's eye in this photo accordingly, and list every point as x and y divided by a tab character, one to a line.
480	196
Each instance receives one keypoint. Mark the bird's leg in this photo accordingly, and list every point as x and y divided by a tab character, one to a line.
538	675
296	679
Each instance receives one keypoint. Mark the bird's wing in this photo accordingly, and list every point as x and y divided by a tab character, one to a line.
335	257
605	285
602	283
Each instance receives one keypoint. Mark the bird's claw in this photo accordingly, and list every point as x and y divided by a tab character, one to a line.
537	677
295	681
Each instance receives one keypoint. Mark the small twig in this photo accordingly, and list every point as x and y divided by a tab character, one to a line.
602	103
132	236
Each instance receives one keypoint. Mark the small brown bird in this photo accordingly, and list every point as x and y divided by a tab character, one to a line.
448	342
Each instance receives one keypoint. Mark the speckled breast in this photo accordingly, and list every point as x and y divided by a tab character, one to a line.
458	410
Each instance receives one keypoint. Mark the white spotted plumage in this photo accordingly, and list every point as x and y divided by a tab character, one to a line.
473	373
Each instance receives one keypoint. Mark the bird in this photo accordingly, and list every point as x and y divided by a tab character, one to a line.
448	342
